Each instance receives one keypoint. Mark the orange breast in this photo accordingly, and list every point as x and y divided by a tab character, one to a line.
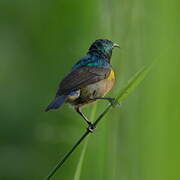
100	88
111	76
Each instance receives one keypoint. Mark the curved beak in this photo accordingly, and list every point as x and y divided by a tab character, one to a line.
116	45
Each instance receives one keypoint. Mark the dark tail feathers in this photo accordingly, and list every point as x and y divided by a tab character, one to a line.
56	103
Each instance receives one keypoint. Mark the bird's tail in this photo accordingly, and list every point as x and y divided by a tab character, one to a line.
56	103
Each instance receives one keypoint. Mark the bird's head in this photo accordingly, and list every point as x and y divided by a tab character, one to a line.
102	48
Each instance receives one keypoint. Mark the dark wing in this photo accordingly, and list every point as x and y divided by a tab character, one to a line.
82	77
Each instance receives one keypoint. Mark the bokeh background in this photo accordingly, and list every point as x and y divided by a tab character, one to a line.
40	41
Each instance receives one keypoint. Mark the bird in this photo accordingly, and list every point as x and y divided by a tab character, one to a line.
89	80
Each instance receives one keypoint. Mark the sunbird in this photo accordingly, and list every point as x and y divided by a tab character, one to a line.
89	80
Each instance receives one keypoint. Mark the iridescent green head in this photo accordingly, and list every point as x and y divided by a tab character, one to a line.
102	48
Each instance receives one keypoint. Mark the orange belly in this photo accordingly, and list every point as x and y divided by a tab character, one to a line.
100	88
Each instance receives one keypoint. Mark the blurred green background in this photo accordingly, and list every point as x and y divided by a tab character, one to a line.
40	41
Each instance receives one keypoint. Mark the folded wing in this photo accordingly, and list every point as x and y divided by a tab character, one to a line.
82	77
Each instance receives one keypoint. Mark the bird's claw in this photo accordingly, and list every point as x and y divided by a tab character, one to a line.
113	102
91	127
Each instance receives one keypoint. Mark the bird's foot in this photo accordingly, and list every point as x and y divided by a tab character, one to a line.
113	102
91	127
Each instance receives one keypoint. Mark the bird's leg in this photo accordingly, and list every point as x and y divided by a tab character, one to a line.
91	126
111	100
